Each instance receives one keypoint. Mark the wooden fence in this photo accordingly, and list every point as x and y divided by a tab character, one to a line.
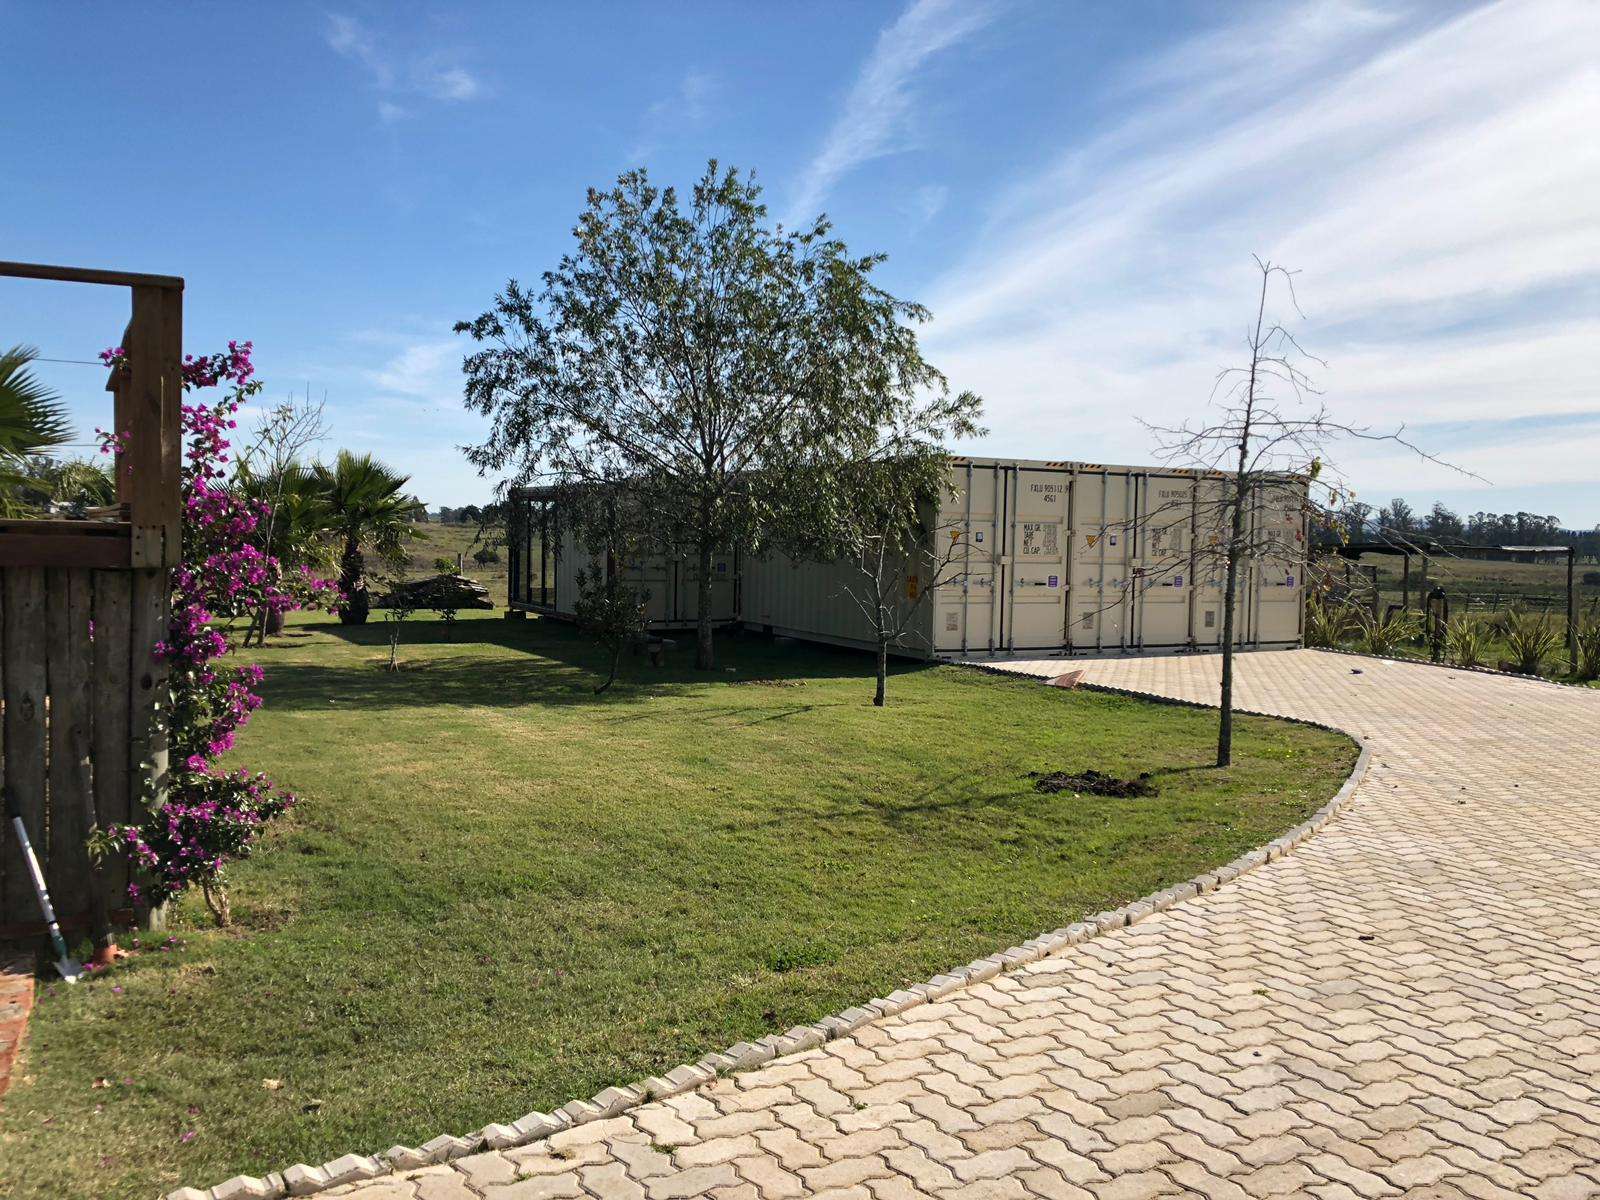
82	605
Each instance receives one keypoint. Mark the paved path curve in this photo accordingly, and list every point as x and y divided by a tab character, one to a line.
1406	1005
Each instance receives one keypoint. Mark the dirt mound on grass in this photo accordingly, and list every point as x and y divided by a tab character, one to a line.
1092	783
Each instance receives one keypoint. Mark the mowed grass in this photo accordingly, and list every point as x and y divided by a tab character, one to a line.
500	892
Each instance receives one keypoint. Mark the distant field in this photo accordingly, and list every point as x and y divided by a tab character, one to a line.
1460	577
446	541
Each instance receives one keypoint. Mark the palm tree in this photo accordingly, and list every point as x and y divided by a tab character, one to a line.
367	510
32	421
295	530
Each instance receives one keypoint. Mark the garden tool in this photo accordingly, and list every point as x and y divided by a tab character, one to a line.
70	971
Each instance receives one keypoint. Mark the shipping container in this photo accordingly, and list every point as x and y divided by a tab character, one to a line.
544	558
1023	557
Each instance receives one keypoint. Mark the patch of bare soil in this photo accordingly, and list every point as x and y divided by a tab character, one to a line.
1091	783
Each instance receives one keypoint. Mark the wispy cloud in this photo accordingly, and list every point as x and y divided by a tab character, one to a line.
423	370
877	117
436	76
687	107
1428	178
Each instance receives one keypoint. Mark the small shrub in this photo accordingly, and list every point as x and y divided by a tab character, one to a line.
612	613
1499	624
1385	634
484	555
1531	639
445	566
1588	665
1330	623
1465	640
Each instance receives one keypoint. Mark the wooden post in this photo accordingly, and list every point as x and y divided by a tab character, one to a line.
1405	584
1572	610
151	402
148	700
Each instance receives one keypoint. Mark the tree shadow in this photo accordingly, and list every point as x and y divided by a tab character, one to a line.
555	665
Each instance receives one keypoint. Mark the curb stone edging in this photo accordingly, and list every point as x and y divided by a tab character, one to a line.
305	1180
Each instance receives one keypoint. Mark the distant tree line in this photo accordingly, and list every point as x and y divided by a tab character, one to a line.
480	515
1397	521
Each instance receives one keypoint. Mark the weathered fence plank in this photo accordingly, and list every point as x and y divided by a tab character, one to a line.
25	687
69	661
113	758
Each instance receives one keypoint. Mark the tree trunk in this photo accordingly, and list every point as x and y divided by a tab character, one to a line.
704	653
352	580
883	671
616	659
1229	591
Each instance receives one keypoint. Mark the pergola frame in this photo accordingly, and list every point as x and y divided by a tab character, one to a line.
1428	546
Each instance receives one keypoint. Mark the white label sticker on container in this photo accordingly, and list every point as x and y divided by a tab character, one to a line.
978	536
951	622
1112	539
1039	539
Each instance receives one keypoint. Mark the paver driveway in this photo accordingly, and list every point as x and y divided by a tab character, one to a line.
1406	1005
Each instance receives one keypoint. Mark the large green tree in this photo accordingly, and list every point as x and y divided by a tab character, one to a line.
704	360
366	509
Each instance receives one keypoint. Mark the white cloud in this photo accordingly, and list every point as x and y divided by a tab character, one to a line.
689	106
878	113
927	202
423	370
437	76
443	82
1434	184
349	37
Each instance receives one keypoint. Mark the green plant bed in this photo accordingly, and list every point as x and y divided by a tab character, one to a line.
500	892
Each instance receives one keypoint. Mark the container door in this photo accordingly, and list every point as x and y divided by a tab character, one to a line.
1036	584
652	577
1209	567
724	589
1162	574
965	618
1280	571
1101	560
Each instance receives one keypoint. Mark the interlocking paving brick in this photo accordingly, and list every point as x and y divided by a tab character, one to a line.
1401	1005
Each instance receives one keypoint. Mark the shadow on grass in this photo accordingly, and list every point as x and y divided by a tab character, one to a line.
459	663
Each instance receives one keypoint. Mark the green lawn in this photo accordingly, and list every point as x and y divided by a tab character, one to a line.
500	892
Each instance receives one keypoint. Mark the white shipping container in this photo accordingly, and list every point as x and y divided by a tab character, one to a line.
1046	558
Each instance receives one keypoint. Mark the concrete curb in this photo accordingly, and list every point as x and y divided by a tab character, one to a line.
304	1180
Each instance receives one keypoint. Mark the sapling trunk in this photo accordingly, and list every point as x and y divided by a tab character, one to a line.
704	651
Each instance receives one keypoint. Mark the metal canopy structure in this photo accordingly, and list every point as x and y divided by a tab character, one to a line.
1429	547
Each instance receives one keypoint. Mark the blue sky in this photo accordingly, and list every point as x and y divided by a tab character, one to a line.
1075	189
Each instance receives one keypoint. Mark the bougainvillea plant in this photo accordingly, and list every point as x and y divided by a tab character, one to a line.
210	817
